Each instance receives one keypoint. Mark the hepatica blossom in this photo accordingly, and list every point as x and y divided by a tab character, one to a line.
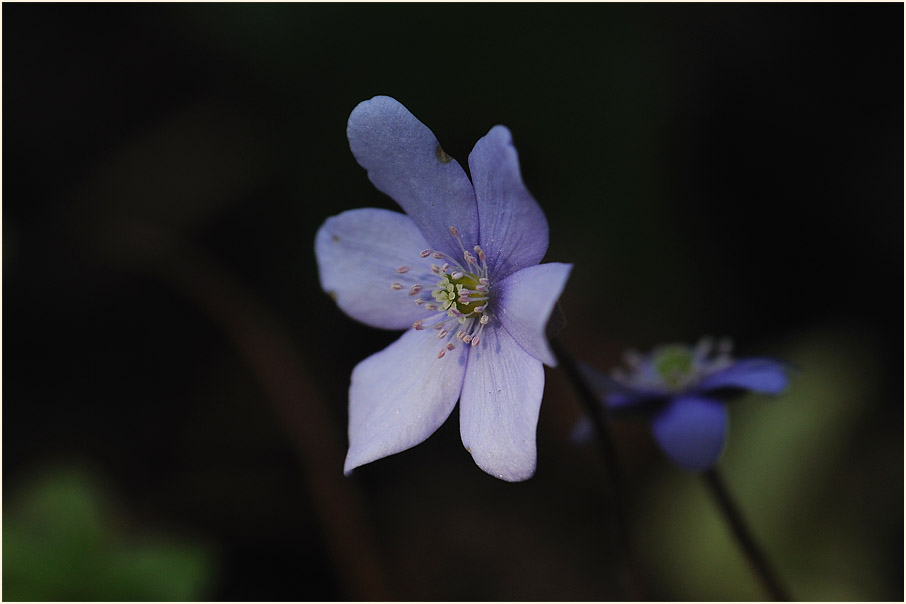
683	391
460	272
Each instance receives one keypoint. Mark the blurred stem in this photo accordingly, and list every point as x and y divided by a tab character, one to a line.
262	342
744	536
596	413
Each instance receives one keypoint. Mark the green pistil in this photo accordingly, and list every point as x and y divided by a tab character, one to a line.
674	364
448	291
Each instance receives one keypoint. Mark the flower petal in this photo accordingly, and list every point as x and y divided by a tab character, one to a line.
760	375
358	254
619	398
524	301
498	412
692	430
399	396
405	161
514	230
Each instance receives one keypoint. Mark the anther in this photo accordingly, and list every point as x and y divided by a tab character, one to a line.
475	341
480	252
450	346
415	289
456	275
430	306
454	231
445	267
460	335
467	338
435	269
484	320
402	269
484	281
418	325
419	301
442	352
396	286
438	326
442	334
470	258
438	255
424	253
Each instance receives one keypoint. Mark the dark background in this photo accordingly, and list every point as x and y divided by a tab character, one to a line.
174	380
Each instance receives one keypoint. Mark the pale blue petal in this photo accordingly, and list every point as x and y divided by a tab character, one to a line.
401	395
692	430
358	254
523	303
766	376
498	414
405	161
514	230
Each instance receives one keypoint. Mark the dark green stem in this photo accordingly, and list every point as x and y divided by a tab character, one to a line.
597	414
744	536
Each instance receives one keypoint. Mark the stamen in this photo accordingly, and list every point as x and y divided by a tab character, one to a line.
632	358
460	295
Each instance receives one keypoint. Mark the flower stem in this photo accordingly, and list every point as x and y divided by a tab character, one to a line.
744	536
597	415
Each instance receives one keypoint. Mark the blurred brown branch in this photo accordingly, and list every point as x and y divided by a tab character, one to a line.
261	341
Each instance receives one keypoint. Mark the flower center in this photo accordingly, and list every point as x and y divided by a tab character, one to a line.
673	367
460	298
458	291
674	364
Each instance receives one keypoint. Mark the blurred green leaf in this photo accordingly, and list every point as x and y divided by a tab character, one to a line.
63	541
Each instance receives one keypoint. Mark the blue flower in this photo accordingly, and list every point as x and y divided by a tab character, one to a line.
460	271
683	390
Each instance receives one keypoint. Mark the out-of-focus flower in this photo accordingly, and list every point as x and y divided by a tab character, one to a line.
683	391
460	269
